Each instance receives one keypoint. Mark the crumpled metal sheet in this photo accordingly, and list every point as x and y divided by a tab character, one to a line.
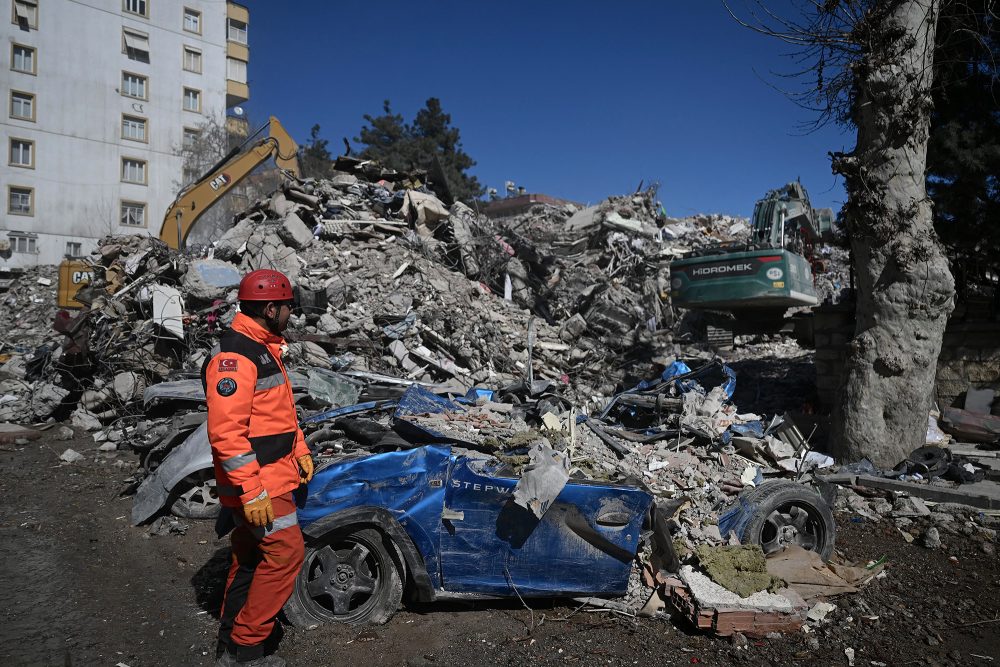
192	455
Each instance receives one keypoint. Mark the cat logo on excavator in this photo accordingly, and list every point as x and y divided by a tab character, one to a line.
221	180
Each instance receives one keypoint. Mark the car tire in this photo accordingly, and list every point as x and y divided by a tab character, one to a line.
196	498
353	577
786	513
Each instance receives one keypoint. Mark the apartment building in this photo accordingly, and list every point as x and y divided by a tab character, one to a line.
101	97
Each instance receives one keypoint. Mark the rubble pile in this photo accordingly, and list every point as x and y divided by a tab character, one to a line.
27	307
542	343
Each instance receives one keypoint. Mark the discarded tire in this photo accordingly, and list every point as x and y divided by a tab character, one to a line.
196	499
353	577
786	513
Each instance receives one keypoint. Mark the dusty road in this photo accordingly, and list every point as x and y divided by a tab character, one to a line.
82	587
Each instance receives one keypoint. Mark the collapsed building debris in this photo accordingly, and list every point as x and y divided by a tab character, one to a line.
542	343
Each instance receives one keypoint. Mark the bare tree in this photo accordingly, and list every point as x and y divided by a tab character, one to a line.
873	66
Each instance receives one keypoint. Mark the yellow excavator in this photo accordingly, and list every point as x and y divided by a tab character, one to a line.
198	197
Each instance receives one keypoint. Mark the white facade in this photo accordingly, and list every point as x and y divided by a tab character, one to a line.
68	126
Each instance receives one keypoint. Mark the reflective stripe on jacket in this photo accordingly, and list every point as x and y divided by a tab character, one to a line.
252	424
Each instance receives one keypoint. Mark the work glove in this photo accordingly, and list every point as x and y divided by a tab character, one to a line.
258	512
305	468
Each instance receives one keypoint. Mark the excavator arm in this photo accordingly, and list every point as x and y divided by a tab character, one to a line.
194	200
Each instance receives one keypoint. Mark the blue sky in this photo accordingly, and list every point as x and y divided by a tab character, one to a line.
579	100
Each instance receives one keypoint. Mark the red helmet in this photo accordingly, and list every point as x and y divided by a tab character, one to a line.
265	285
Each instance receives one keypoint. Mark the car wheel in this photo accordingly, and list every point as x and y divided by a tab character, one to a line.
788	513
352	577
197	499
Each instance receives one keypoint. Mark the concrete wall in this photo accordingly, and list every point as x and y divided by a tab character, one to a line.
970	355
78	145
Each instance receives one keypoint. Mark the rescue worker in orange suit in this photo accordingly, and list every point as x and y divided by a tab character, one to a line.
260	458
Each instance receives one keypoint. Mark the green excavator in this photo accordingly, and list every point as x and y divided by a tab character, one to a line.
747	288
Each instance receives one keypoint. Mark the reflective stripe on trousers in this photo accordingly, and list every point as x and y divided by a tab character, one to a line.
261	578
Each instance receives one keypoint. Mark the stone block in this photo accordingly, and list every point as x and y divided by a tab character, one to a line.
295	233
208	279
987	371
950	371
233	240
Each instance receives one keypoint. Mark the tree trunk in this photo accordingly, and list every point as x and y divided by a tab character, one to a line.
904	286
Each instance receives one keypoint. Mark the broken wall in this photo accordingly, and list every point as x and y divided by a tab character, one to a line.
970	355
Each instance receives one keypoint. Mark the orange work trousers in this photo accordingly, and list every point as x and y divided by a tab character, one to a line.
261	578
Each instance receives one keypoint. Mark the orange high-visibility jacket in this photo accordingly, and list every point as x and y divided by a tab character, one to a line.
252	425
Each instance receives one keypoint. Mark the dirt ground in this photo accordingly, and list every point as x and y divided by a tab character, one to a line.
81	586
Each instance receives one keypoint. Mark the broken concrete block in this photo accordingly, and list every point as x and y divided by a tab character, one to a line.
128	386
233	240
931	538
909	507
210	279
85	420
279	205
295	233
343	181
266	251
328	324
46	399
70	456
573	328
423	210
583	220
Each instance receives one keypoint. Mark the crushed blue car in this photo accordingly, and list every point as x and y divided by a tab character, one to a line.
442	523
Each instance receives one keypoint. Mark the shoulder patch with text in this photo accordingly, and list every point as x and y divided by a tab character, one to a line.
228	365
226	387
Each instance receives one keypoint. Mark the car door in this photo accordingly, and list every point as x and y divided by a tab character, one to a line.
584	543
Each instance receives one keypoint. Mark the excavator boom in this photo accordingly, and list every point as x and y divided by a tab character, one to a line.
194	200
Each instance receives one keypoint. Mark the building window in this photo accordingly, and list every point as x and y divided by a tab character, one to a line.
192	59
22	106
133	85
135	46
236	70
133	128
192	100
20	201
237	31
192	20
136	7
23	243
22	153
22	59
190	137
133	171
25	14
74	249
133	214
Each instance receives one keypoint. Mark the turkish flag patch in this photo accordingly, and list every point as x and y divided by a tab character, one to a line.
227	365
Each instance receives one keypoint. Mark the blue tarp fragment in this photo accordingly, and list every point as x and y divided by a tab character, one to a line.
419	401
735	519
475	394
